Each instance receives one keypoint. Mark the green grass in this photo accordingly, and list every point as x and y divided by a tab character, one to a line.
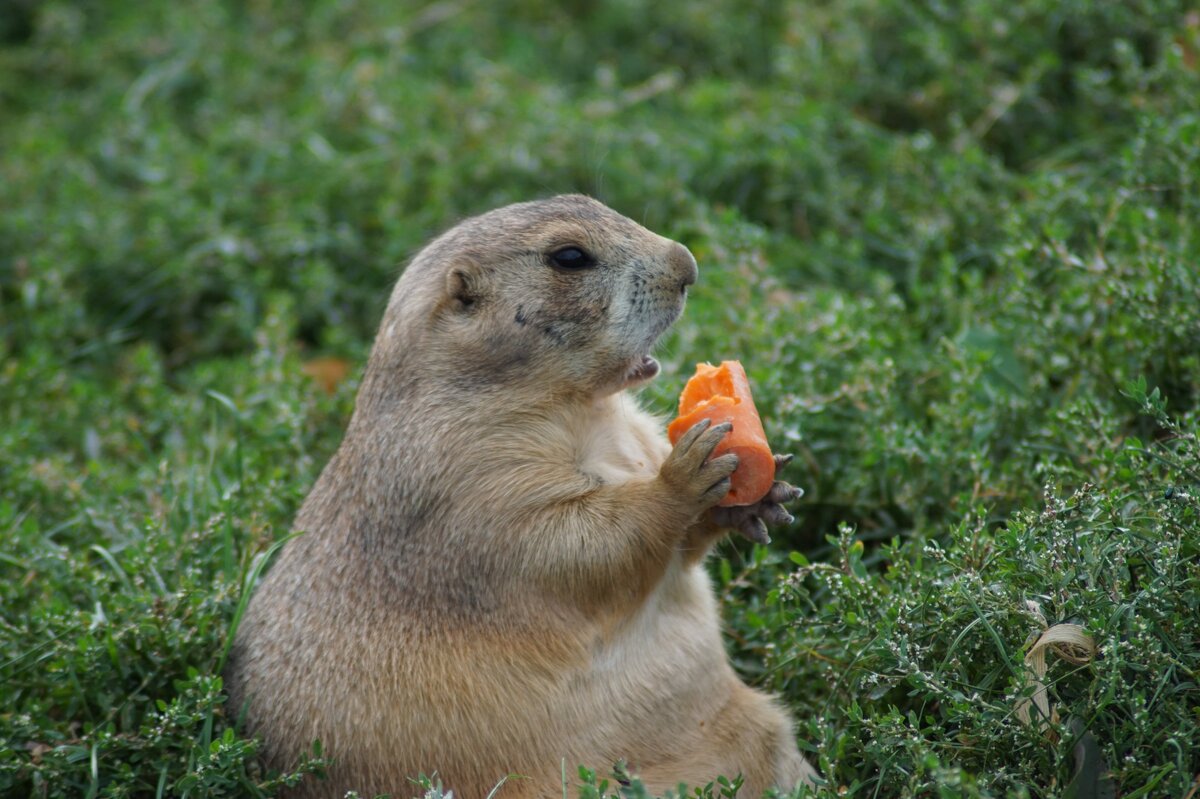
955	245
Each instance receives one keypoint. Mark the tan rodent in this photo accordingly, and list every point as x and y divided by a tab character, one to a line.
500	570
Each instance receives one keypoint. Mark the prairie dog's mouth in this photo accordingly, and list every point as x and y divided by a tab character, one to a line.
646	329
643	370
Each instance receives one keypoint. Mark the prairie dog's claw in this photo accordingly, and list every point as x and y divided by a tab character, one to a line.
751	521
782	493
688	470
754	529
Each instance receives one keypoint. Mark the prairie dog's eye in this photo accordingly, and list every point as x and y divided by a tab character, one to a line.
572	258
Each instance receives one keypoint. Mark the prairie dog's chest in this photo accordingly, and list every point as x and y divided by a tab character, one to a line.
620	442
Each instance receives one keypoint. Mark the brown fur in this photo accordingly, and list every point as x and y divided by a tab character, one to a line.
499	572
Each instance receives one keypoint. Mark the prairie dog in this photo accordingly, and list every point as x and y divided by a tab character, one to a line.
500	567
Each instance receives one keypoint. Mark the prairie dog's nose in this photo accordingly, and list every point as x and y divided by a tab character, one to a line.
683	264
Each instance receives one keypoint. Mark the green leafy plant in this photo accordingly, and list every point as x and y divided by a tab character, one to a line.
955	247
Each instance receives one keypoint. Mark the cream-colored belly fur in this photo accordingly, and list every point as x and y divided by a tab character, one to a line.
657	684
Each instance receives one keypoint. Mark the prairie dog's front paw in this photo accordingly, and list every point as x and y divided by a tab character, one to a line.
751	520
688	473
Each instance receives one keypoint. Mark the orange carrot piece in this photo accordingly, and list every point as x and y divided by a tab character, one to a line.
722	394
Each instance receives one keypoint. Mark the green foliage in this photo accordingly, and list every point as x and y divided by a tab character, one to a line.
926	657
954	245
623	785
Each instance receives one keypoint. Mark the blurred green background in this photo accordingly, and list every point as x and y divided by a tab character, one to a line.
954	243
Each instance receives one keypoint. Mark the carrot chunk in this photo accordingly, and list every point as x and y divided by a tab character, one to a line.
722	394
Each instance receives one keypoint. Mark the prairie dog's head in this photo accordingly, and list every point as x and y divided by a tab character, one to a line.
563	295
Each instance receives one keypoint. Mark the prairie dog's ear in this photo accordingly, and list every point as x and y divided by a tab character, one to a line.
466	286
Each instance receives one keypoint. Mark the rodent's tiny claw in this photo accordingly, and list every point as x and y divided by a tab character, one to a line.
755	529
782	492
751	521
772	513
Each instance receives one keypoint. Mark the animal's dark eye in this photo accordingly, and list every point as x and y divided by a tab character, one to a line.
572	258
